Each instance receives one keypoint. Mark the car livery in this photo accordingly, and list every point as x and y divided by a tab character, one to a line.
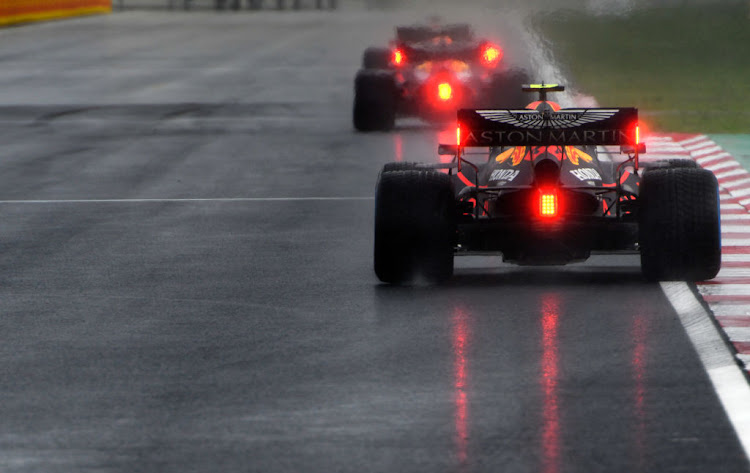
429	72
555	186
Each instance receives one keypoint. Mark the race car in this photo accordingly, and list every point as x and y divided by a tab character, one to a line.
552	187
429	72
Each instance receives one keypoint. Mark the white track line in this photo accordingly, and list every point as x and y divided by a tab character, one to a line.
725	375
217	199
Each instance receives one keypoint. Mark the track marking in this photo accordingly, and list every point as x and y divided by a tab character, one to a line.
728	380
744	192
714	157
722	165
217	199
732	173
731	309
741	272
705	151
693	140
701	144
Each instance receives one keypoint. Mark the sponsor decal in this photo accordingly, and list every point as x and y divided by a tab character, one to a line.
517	154
570	118
574	154
504	174
586	174
571	127
547	137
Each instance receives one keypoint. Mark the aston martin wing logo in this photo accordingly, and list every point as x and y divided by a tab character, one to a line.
531	119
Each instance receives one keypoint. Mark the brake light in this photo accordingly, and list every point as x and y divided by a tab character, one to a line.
637	135
491	55
445	91
398	57
548	204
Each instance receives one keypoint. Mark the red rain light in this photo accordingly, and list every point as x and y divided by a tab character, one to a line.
548	204
398	57
491	55
637	135
445	91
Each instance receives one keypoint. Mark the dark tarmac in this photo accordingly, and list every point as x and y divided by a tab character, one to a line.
186	281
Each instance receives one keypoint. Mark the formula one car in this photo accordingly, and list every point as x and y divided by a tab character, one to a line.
547	194
430	72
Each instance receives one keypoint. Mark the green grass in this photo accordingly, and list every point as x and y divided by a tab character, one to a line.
687	69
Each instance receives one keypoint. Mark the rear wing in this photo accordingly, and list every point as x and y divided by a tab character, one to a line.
573	126
565	127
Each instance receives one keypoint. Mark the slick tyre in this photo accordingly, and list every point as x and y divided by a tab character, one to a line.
415	227
679	227
376	59
374	101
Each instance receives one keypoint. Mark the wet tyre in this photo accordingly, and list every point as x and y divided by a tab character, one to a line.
374	101
679	227
399	166
505	89
671	163
415	227
376	58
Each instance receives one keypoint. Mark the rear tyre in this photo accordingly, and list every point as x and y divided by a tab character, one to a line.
376	58
399	166
671	163
415	227
505	89
679	227
374	101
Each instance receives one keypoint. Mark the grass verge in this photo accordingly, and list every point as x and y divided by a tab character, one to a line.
687	69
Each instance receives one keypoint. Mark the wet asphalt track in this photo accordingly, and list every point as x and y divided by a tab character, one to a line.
144	332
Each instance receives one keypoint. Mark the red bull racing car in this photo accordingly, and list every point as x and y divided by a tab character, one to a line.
429	72
546	193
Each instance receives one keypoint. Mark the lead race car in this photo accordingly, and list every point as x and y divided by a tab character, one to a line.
548	193
429	71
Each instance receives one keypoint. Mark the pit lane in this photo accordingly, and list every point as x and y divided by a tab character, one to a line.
187	282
